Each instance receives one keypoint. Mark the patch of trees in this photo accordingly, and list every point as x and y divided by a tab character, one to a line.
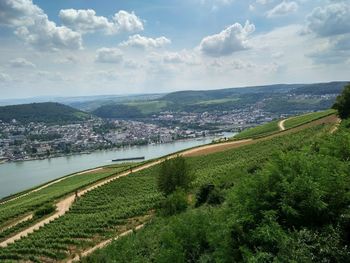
342	103
47	112
118	111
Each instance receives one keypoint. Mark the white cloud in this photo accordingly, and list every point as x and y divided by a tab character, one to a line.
21	63
333	19
232	39
32	25
284	8
67	60
109	55
145	42
4	77
86	21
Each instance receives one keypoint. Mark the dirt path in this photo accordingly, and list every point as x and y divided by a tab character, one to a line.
281	125
64	205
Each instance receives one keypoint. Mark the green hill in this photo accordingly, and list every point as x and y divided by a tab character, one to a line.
48	112
278	99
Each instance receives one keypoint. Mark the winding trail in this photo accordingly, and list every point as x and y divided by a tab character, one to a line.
64	204
281	125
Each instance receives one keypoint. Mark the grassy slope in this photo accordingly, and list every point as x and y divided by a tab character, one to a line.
306	118
220	168
259	131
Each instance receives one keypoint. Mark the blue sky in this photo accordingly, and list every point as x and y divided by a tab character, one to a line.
79	47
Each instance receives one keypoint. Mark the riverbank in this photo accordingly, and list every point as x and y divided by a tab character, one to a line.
59	155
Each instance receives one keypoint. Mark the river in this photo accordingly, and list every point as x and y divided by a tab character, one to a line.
19	176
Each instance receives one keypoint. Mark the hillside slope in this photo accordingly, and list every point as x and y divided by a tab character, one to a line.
48	112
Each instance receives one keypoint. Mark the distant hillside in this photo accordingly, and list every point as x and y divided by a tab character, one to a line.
279	99
48	112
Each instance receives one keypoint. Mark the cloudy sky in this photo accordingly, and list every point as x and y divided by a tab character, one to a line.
79	47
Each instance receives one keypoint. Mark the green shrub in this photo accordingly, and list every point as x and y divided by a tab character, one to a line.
174	203
45	210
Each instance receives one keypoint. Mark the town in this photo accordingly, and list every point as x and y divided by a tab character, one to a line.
19	141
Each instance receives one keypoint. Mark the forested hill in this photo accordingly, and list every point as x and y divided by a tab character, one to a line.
48	112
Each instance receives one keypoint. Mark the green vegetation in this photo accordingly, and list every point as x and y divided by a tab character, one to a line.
259	131
118	111
278	200
35	200
306	118
274	98
148	107
173	174
286	200
100	214
47	112
342	103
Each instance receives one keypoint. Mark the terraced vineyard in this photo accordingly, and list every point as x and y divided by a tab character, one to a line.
32	201
259	131
306	118
94	217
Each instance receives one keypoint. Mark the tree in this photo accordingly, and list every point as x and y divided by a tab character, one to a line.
173	174
342	103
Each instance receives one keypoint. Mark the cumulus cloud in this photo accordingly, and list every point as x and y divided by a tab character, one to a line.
109	55
21	63
232	39
284	8
138	41
86	21
32	25
329	20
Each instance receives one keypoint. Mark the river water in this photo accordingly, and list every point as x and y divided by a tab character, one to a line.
19	176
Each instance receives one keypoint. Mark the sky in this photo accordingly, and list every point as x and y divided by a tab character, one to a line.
95	47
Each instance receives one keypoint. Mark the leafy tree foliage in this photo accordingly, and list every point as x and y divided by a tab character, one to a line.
173	174
342	103
175	203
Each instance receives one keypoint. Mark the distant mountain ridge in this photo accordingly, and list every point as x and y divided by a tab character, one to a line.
279	98
47	112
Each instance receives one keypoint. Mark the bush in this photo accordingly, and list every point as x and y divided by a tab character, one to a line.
342	103
175	203
45	210
208	193
173	174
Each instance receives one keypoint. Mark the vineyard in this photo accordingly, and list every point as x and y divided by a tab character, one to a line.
306	118
98	215
259	131
286	200
28	204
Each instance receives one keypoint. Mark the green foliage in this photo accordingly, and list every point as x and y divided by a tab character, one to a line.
45	210
94	217
294	208
342	103
174	203
306	118
30	202
210	194
118	111
48	112
173	174
259	131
